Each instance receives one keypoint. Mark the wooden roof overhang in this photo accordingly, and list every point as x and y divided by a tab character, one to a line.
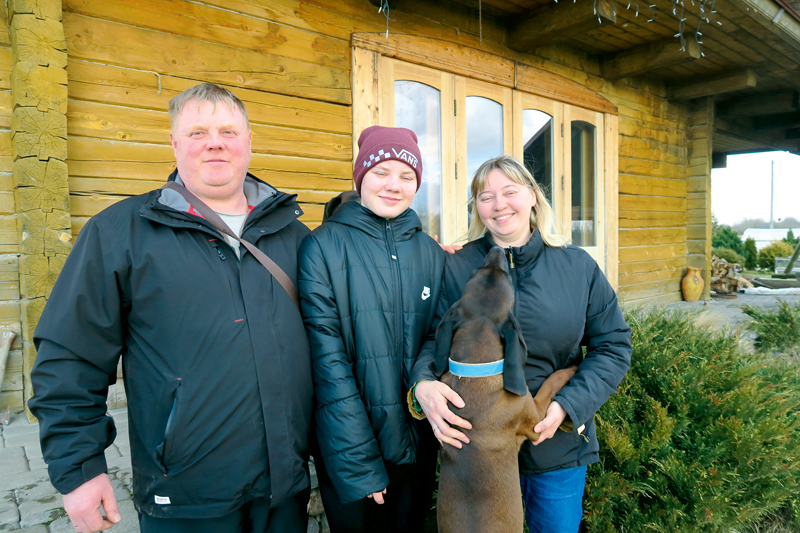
747	55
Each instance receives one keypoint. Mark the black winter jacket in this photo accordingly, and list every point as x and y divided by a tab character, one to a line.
368	289
215	356
562	302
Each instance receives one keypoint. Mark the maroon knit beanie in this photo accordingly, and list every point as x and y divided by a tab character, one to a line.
379	143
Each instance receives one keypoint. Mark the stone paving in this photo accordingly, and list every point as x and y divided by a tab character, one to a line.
30	504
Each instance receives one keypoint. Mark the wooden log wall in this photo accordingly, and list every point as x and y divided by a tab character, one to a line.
11	390
290	62
700	132
39	151
653	193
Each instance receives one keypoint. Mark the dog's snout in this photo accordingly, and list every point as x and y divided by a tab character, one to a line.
496	258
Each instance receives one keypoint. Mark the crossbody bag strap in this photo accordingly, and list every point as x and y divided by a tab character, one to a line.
216	221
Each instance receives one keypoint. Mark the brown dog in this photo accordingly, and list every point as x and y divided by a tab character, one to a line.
479	486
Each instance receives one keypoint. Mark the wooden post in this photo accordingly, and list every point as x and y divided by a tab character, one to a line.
698	189
39	149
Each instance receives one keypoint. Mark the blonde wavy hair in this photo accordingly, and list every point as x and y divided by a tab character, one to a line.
542	216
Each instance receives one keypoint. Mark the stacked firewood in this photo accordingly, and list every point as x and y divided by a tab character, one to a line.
725	278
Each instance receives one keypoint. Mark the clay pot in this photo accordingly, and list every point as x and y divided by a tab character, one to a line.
692	284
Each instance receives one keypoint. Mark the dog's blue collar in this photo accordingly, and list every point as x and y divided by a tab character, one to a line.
476	370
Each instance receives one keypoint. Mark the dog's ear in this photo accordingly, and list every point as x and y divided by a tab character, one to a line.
444	340
514	356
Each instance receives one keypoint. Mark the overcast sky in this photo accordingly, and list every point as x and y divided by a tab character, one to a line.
743	189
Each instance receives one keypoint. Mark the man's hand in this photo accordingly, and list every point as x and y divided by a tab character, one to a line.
378	496
83	505
433	396
547	427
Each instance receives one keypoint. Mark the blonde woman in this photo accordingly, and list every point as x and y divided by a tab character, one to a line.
563	303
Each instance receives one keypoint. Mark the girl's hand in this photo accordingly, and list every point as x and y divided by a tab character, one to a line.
433	396
547	427
378	496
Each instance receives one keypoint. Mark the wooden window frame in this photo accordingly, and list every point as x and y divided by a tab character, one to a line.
517	83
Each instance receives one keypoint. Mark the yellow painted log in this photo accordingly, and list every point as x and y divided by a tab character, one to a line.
644	203
39	134
39	41
651	236
651	253
38	273
639	185
6	65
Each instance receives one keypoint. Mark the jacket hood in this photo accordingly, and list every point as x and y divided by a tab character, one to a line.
165	204
355	215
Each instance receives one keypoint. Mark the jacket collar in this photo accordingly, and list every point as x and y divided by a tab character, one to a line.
169	208
524	255
355	215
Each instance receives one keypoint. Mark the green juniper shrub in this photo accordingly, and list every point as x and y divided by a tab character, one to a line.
776	332
767	255
751	254
729	255
701	435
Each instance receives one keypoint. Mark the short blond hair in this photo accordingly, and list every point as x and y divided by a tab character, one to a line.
542	216
205	92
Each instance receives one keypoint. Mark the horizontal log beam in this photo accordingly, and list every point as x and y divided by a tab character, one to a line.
760	104
647	58
558	22
742	80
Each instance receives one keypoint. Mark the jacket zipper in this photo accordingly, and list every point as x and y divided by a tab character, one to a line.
397	293
512	270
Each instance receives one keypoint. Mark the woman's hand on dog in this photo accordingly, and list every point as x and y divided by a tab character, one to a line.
547	427
433	397
377	496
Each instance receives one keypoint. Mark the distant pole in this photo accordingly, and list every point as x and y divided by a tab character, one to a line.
771	195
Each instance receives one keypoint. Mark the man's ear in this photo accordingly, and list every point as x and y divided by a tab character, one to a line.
444	340
515	355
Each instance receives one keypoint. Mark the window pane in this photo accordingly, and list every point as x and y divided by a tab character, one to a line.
484	133
584	218
418	107
537	134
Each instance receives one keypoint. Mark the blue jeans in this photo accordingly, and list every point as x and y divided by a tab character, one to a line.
554	500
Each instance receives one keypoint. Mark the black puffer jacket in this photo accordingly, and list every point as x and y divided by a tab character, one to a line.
368	289
215	357
562	302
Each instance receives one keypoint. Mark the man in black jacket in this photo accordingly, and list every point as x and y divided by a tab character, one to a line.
215	358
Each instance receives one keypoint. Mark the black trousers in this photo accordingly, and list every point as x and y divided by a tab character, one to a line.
252	517
407	499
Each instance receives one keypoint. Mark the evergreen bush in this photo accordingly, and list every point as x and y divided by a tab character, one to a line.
791	239
776	332
767	255
751	254
725	237
701	435
729	255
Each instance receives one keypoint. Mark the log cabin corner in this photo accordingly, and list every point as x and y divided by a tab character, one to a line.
621	110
